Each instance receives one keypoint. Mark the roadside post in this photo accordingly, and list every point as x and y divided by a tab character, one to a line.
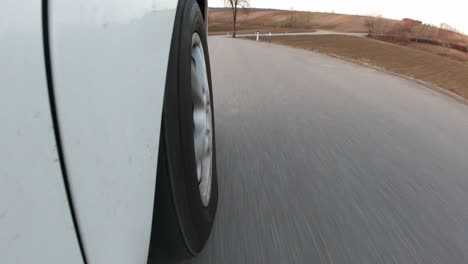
258	35
269	36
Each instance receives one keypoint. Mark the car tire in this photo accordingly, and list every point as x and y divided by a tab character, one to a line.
182	217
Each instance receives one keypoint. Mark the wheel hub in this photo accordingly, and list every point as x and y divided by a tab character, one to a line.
202	120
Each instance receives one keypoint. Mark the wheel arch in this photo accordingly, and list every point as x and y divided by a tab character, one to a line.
204	7
203	4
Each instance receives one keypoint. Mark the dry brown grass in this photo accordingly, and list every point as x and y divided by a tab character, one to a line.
253	30
427	67
220	21
251	20
442	51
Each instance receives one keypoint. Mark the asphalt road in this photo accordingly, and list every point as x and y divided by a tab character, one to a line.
323	161
315	33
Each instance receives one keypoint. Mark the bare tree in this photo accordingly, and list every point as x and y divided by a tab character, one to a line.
449	27
371	23
234	4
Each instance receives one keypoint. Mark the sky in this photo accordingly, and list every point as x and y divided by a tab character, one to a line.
452	12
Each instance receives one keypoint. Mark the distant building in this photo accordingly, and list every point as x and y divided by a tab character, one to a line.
409	23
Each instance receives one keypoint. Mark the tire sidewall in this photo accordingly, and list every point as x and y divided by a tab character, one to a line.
195	220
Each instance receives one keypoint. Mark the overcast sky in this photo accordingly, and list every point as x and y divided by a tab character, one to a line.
453	12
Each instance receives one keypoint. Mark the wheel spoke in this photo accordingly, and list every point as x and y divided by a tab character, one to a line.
199	143
201	67
199	171
197	88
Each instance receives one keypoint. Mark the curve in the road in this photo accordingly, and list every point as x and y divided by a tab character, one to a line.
314	33
323	161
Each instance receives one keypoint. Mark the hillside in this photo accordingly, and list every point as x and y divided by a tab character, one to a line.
258	19
251	20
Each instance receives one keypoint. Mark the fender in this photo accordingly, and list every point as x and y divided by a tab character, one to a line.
36	224
109	61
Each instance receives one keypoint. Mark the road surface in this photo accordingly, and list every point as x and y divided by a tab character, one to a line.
315	33
324	161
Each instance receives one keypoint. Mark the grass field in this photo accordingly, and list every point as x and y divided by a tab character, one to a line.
251	20
427	67
442	51
244	30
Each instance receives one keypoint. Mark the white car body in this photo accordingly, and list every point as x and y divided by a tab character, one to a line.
95	93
